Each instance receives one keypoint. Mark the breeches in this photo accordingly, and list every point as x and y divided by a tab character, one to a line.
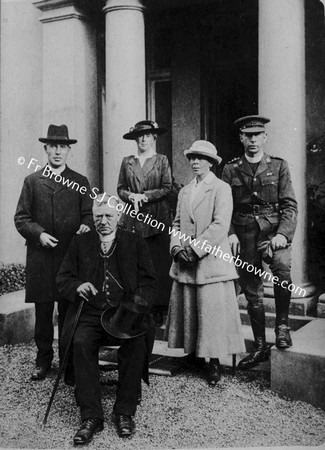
251	281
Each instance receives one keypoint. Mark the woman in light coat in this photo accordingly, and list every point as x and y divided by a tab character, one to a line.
203	316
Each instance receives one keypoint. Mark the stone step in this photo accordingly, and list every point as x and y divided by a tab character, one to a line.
299	372
298	306
321	306
17	319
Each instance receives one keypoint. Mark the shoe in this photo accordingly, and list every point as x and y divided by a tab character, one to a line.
282	337
87	430
255	358
213	372
125	425
139	398
39	373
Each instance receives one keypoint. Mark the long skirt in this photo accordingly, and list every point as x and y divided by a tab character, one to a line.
204	319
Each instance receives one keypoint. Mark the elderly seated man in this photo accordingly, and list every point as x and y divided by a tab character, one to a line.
111	269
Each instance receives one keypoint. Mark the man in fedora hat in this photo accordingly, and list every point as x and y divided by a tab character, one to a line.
111	269
263	224
47	216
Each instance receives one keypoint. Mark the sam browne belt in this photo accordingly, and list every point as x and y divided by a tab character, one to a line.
258	209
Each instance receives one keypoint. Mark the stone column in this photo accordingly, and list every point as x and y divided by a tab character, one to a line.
282	99
125	82
70	80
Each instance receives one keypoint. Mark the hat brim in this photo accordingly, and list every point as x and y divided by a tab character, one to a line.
215	158
58	141
252	130
115	331
136	133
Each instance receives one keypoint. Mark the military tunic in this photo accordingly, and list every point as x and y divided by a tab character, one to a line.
264	205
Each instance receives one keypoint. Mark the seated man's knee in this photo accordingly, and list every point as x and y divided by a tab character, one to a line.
133	345
81	342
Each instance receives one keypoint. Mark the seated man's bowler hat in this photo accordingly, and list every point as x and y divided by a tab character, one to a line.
58	134
129	321
203	148
251	124
144	127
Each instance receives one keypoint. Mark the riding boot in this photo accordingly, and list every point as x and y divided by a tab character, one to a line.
282	329
262	352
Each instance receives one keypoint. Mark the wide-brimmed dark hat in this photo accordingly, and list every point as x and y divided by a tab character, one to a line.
143	127
251	124
129	321
58	134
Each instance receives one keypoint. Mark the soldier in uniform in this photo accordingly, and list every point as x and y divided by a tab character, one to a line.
263	224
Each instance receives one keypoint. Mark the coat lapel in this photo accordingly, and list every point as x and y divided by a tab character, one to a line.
123	257
186	200
66	175
148	165
244	167
135	167
263	165
201	194
46	181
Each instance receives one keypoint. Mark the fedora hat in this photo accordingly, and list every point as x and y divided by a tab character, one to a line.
58	134
143	127
251	124
203	148
130	320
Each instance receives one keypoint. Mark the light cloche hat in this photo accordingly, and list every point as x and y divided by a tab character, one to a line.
204	148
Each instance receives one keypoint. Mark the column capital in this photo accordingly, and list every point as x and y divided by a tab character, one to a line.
54	10
118	5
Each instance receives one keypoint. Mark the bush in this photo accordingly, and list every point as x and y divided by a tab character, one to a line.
12	277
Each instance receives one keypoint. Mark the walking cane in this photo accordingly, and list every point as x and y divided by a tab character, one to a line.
64	362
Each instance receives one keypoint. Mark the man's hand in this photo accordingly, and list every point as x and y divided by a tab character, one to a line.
83	229
137	200
279	241
87	291
48	241
234	244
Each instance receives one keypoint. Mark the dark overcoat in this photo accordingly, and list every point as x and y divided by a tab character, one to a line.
80	265
270	184
49	206
155	181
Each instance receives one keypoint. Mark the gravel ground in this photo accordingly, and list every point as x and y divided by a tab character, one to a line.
176	412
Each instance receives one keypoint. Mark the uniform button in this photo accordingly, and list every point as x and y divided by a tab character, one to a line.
254	179
256	217
255	193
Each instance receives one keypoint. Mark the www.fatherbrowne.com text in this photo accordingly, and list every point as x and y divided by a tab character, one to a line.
147	219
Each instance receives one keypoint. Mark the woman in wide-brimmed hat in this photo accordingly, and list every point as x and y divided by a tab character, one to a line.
145	182
203	316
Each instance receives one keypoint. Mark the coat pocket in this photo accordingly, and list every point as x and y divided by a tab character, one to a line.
270	186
